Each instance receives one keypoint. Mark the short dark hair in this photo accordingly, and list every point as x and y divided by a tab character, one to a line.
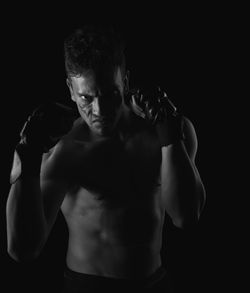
92	46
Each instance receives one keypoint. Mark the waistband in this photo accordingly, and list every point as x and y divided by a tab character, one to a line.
147	282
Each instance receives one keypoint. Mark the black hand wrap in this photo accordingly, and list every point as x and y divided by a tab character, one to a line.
155	106
42	130
46	125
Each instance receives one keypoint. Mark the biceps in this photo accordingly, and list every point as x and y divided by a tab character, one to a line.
53	192
190	140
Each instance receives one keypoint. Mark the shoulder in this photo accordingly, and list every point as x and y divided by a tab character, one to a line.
51	161
188	126
58	160
190	137
136	125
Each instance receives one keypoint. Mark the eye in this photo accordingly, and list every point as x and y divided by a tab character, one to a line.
115	93
86	98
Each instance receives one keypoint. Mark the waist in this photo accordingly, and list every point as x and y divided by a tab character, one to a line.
92	280
138	261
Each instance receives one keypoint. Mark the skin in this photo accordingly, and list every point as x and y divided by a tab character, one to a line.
111	232
99	99
113	182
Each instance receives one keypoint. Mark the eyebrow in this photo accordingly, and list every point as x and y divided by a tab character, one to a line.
85	94
114	88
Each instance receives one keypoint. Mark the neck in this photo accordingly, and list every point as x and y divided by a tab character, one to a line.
121	129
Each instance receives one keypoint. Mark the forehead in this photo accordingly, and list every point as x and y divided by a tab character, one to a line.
101	79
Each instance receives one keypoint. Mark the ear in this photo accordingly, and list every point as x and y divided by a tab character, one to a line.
126	82
69	84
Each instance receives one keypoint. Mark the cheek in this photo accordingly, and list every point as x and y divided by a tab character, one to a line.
119	102
84	109
116	102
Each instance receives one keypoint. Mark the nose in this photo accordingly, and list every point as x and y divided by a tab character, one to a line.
96	107
100	106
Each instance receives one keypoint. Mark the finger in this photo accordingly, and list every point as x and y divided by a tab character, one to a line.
155	119
135	104
147	110
139	98
136	109
173	108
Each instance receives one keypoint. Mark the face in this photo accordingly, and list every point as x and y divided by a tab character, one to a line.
99	97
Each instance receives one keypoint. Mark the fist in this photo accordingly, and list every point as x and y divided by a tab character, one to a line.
155	107
152	105
46	125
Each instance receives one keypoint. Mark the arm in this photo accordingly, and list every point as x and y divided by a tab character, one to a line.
35	195
31	210
26	223
182	189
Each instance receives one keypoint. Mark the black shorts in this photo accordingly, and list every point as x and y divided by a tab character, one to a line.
75	282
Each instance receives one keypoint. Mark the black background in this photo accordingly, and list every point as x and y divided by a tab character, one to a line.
186	51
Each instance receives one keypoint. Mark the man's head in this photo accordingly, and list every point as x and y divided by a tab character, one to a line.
95	67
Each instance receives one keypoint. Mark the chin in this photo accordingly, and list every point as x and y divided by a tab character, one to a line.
102	131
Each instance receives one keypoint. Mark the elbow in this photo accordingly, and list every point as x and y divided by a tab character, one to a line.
23	255
186	222
24	249
190	217
187	216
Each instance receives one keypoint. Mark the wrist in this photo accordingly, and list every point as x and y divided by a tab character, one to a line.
30	159
26	152
166	143
170	131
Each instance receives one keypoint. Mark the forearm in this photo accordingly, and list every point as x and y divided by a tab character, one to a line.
26	225
182	188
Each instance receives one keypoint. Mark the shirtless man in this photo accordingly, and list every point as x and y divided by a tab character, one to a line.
113	171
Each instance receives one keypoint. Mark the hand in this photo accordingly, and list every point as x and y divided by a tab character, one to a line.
46	125
155	107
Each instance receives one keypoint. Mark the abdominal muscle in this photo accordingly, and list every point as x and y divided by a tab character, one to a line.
118	242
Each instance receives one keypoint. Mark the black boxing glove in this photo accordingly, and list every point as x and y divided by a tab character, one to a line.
42	130
155	107
46	125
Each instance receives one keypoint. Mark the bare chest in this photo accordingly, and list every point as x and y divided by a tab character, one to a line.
113	170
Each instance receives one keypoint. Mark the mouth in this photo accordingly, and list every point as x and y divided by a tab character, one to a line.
101	122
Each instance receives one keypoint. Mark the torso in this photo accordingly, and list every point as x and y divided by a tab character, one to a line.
113	207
